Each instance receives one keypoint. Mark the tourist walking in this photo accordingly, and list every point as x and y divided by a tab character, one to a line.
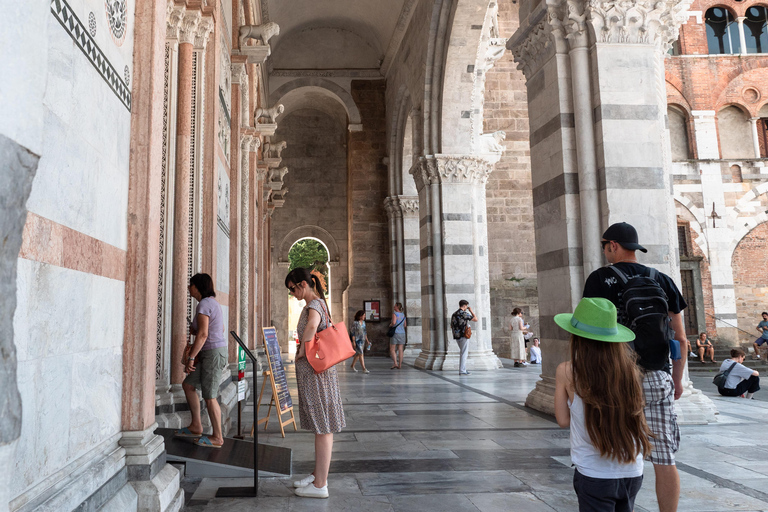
762	328
741	380
704	348
320	408
360	339
649	288
203	361
397	342
517	345
603	409
461	332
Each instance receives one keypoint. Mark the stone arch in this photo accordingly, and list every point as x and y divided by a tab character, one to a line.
698	223
734	132
463	46
399	121
335	90
309	231
743	203
749	280
678	120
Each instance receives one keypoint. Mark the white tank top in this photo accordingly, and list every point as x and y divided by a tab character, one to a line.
587	458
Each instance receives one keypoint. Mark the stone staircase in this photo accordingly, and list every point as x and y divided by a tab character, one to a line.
722	352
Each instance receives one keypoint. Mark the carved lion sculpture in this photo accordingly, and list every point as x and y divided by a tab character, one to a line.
270	114
261	32
275	150
492	142
277	175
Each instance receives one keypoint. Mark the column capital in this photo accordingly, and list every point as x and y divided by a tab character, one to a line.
391	206
239	73
173	16
188	26
246	139
204	29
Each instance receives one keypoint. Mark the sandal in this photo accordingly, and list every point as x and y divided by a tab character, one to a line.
206	443
395	367
185	432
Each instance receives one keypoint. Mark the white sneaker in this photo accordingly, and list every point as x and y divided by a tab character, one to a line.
525	363
310	491
304	481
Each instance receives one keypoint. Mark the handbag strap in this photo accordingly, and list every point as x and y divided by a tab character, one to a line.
329	320
400	322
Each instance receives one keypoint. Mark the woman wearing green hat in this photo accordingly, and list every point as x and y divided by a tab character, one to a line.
604	408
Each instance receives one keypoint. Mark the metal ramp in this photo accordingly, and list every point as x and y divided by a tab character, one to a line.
233	460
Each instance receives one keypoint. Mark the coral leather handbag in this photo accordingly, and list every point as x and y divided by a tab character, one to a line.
329	346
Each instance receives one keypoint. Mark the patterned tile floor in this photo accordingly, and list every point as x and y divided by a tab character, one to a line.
434	441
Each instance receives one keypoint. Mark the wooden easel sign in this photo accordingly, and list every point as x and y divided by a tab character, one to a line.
281	396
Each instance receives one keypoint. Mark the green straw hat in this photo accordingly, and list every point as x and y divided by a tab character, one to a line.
595	318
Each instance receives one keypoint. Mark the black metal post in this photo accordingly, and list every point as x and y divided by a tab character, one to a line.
247	492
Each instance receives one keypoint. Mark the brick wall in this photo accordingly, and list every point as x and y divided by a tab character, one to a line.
367	188
511	244
750	279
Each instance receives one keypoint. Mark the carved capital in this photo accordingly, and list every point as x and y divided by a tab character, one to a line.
424	173
654	22
239	73
173	17
533	45
204	29
391	206
409	205
463	168
188	26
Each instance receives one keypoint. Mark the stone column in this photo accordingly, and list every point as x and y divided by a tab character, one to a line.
409	209
742	38
455	230
155	482
631	157
181	224
391	205
755	135
248	143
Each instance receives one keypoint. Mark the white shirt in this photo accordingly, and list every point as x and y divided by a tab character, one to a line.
587	458
535	354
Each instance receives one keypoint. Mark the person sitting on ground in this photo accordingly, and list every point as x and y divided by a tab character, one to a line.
360	338
535	352
741	379
704	348
762	328
599	395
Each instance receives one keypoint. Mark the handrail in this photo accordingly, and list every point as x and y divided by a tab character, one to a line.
726	323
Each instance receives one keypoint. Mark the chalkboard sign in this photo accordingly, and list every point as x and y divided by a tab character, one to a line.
275	361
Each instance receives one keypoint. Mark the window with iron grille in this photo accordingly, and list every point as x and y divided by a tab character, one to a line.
684	246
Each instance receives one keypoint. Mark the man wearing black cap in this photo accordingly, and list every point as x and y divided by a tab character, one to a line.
619	244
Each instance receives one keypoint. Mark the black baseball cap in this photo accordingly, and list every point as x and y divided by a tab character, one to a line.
625	235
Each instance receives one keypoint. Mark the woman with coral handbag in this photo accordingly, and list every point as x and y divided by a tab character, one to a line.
320	408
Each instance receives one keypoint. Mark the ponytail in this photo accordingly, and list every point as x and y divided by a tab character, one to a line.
318	286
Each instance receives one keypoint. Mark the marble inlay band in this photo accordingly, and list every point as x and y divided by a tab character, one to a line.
567	257
62	11
556	123
649	178
560	185
49	242
627	112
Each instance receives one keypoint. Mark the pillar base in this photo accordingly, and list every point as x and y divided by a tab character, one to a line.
156	483
542	398
7	462
693	408
478	361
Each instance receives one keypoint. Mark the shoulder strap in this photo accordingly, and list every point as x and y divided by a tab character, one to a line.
653	273
619	273
728	371
400	322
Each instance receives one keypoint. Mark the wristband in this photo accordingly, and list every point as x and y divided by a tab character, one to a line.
190	359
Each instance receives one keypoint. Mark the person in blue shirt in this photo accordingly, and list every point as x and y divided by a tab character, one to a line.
762	328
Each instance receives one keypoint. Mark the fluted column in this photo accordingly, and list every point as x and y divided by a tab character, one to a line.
179	332
581	80
454	249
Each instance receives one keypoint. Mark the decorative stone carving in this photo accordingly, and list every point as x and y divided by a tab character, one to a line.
492	144
276	176
204	29
451	169
392	207
239	73
270	114
637	21
263	33
533	49
274	150
173	16
409	206
224	129
188	26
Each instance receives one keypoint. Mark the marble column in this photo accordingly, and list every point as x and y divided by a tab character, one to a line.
755	135
155	483
454	252
248	143
742	38
408	207
181	224
396	248
554	47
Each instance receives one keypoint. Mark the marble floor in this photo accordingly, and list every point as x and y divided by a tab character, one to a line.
434	441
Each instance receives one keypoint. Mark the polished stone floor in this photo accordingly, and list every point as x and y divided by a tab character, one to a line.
434	441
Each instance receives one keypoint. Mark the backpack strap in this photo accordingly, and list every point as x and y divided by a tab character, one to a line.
619	273
728	371
653	273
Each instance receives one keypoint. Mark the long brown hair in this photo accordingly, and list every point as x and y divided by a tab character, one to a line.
609	383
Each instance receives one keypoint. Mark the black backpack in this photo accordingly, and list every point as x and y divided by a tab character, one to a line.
643	308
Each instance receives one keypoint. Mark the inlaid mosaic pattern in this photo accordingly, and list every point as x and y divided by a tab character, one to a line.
62	11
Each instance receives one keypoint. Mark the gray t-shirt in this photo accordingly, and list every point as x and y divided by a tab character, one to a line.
764	325
739	373
210	308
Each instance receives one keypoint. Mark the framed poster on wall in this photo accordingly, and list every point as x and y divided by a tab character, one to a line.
372	310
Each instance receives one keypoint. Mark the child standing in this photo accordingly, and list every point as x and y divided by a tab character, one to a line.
361	338
599	394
